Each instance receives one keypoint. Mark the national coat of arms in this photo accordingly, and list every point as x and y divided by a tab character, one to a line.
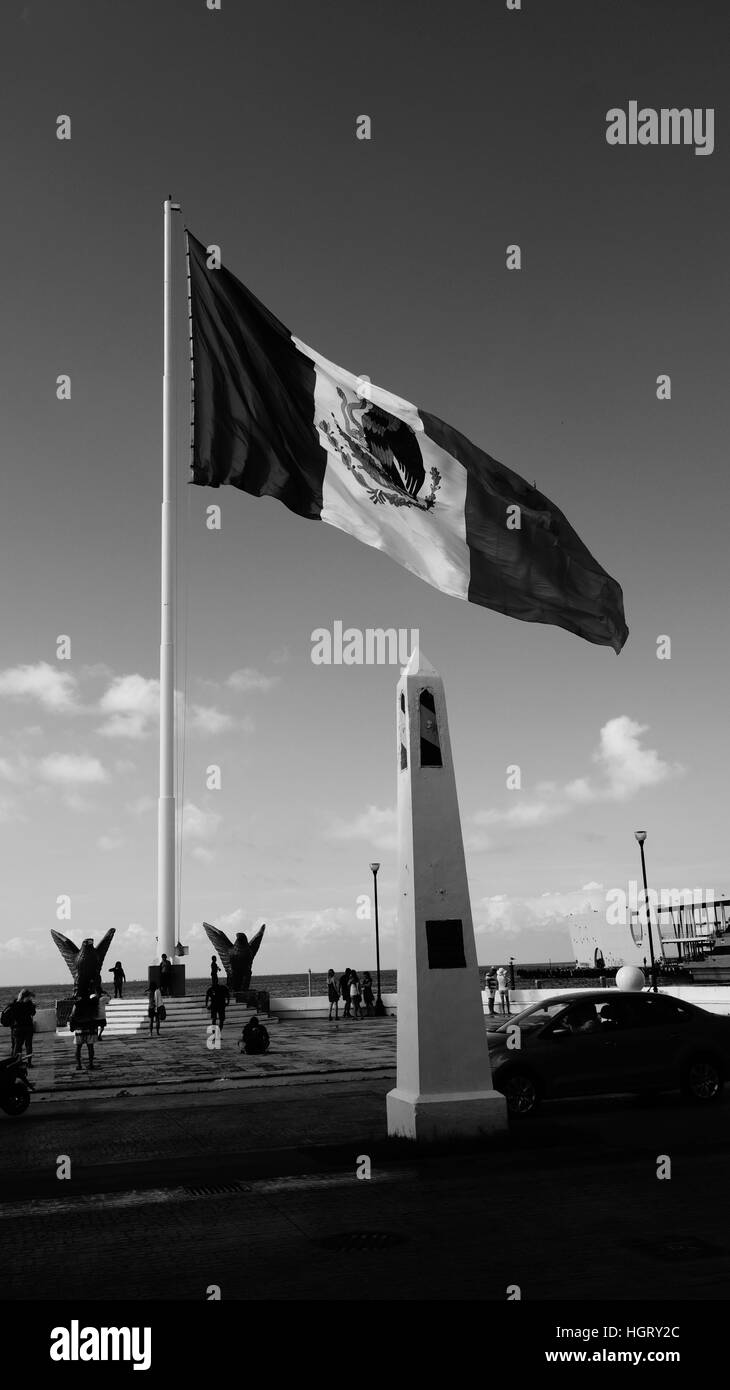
382	453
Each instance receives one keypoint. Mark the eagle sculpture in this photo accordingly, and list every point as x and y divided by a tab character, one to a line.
237	956
84	963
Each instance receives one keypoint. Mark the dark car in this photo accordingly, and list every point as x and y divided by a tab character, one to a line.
591	1042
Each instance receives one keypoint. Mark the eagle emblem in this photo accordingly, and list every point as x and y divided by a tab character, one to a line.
382	453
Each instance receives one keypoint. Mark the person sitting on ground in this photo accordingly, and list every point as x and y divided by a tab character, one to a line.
255	1037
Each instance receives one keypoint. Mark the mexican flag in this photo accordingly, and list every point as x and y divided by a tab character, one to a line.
276	419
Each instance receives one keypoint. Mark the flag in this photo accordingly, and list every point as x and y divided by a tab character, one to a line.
276	419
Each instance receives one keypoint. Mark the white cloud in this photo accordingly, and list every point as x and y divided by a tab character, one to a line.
248	680
501	913
141	806
198	824
71	768
55	690
627	766
11	772
110	842
131	705
377	826
19	946
279	657
137	935
204	719
203	855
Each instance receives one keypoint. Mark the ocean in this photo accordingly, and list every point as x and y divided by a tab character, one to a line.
281	986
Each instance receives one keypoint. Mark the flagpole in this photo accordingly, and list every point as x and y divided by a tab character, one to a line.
166	806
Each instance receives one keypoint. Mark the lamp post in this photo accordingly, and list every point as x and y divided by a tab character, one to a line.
379	1005
641	836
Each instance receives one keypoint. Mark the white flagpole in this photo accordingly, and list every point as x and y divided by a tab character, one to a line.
166	809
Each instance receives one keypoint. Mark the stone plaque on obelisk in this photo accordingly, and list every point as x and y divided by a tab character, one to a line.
444	1080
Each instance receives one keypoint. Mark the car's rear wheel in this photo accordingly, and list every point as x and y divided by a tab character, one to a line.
702	1080
520	1092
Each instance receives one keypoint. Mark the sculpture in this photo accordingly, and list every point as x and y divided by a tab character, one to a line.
85	963
237	956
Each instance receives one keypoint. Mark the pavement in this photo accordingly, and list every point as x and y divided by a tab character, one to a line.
182	1057
187	1169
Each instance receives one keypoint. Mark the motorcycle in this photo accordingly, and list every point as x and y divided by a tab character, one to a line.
15	1088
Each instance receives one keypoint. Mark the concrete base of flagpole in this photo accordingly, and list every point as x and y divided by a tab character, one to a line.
455	1115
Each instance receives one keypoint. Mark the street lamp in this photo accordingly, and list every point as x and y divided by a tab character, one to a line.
379	1005
641	836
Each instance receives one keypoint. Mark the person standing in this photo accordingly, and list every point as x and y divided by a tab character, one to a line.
355	995
491	987
213	971
165	976
223	999
333	994
101	1013
83	1025
503	986
154	1006
22	1025
368	998
119	978
345	992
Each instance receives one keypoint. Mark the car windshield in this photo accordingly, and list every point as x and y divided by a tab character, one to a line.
537	1016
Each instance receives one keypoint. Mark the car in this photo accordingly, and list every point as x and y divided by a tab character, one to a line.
603	1041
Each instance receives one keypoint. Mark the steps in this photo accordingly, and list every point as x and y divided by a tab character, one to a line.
129	1016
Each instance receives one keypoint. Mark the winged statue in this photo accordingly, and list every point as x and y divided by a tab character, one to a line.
85	962
237	956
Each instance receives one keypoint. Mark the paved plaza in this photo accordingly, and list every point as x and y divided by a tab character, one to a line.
182	1056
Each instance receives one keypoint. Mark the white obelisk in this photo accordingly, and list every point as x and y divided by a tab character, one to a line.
444	1080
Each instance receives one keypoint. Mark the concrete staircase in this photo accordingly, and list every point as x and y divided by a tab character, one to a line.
126	1016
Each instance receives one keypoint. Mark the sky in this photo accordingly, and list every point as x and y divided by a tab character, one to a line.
387	255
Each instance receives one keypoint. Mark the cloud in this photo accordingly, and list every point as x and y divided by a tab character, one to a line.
248	680
203	855
18	946
204	719
110	842
53	689
141	806
71	768
13	772
137	935
501	913
377	826
131	705
279	657
198	824
522	813
628	767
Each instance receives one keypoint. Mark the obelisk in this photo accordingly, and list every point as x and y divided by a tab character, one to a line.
444	1079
